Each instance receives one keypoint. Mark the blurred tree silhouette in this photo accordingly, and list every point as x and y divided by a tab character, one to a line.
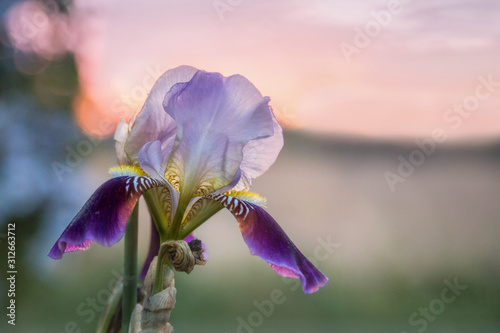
35	125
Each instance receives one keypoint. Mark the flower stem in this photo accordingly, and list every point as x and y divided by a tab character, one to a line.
130	269
160	266
108	319
179	214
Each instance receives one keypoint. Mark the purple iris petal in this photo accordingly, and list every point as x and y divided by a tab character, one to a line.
259	155
266	239
150	159
191	237
216	117
104	216
152	123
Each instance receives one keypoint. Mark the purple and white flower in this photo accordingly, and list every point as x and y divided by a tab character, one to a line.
193	149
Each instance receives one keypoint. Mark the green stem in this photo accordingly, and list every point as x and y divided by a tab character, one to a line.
179	214
109	316
130	270
161	262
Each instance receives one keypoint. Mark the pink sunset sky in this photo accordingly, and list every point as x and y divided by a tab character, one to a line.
376	69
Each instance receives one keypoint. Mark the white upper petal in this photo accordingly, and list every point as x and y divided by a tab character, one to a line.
152	122
216	118
259	155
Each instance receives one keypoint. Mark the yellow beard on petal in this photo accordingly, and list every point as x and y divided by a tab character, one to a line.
248	196
127	170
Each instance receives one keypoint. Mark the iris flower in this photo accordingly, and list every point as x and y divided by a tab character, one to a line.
193	149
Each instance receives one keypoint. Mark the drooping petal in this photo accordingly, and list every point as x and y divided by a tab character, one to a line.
216	117
259	155
104	216
266	239
152	122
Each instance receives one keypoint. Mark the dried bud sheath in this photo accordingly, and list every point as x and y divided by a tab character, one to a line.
153	316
